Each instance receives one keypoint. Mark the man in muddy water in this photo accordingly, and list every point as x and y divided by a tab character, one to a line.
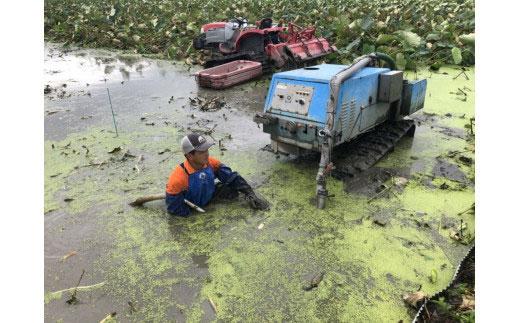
194	179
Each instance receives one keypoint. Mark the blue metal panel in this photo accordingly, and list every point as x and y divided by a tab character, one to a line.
354	95
414	93
360	86
319	73
322	73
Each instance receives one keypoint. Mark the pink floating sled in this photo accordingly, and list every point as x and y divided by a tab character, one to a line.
226	75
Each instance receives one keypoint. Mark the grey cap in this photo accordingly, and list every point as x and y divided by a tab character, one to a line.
194	141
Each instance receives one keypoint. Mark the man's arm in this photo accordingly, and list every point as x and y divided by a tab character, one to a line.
236	182
176	191
228	177
232	179
175	204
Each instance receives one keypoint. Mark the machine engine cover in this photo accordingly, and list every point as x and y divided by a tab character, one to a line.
390	86
220	35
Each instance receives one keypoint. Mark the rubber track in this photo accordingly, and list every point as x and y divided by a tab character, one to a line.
359	155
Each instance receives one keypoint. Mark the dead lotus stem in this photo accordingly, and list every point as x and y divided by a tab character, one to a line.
80	288
79	281
140	201
472	207
67	256
109	318
213	306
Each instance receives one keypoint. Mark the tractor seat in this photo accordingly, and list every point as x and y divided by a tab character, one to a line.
266	23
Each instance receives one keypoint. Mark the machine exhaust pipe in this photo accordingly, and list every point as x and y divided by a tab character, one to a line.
328	133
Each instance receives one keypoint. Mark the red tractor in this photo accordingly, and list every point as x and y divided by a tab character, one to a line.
280	46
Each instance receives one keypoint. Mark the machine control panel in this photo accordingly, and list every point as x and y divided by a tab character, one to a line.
292	98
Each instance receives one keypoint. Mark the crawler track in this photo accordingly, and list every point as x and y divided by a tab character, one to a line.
359	155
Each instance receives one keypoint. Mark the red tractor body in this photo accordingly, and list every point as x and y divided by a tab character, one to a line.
213	25
271	45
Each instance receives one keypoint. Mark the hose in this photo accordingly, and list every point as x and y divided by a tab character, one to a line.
387	59
328	132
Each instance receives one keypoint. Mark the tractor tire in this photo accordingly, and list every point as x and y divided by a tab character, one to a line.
199	42
250	48
253	44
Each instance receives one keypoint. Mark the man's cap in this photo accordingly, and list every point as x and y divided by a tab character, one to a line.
194	141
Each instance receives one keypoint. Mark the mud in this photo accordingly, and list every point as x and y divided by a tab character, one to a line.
168	268
450	171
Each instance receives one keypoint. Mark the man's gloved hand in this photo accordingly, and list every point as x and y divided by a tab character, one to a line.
256	202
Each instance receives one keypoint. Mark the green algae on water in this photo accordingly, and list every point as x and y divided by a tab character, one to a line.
260	273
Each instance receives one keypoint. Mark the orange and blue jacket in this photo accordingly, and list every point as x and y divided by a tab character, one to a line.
197	186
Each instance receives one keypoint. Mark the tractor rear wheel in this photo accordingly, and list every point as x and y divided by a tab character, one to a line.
254	45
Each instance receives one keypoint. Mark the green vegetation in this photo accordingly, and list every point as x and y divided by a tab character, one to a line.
433	32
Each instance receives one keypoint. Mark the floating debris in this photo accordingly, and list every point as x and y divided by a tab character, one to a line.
400	181
110	318
380	222
115	150
413	299
67	256
132	307
468	302
315	281
73	299
466	160
47	89
213	104
59	294
51	112
433	276
164	151
127	155
213	306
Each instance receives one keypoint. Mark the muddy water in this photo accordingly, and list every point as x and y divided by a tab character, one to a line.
250	264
